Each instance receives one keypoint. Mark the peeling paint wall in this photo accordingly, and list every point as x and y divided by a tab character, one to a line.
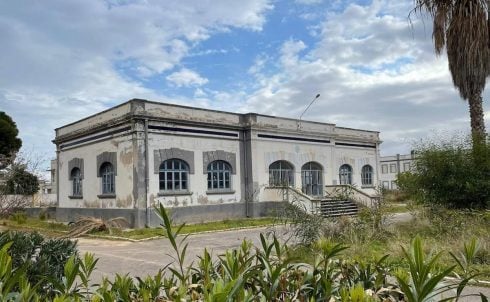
91	184
198	179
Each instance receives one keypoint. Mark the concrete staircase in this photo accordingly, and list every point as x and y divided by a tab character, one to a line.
336	208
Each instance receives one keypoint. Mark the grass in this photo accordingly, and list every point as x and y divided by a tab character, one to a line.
192	228
56	229
47	228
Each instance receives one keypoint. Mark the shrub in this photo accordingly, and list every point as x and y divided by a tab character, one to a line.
43	259
19	217
449	173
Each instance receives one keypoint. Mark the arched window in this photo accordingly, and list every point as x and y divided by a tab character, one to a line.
219	175
345	174
311	176
281	173
367	175
108	179
174	175
76	182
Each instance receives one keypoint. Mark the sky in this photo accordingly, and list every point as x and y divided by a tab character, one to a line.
374	67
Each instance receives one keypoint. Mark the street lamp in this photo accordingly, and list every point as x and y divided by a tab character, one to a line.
314	99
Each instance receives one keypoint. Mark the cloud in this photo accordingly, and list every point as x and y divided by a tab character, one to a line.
186	77
373	71
70	59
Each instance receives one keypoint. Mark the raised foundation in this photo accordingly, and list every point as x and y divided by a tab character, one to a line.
190	214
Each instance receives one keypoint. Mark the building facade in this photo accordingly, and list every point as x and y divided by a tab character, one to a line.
391	166
203	164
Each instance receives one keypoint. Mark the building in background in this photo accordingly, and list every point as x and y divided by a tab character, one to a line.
203	164
390	166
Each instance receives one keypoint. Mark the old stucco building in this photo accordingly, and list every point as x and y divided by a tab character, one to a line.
204	164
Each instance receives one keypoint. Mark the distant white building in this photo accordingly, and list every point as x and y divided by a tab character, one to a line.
204	164
390	166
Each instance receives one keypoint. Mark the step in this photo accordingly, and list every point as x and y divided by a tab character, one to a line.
336	208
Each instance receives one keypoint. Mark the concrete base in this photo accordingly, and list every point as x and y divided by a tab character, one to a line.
48	212
190	214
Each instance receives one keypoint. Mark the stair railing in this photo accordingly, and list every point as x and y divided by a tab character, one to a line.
351	193
295	196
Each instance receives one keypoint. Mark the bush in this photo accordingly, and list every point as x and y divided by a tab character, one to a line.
19	217
450	174
43	259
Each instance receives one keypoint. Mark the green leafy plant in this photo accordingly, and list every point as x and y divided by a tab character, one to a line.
425	282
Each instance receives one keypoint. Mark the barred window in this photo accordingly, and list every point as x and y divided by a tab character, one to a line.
108	178
367	175
219	173
174	175
281	173
345	174
311	176
76	182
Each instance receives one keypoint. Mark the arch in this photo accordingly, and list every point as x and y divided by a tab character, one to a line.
345	174
281	173
107	173
312	179
173	175
367	175
219	172
76	178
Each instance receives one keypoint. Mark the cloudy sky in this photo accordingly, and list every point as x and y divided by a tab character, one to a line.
63	60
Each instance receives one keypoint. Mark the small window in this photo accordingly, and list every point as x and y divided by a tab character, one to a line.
345	174
108	178
392	168
174	175
281	173
76	182
393	185
219	175
386	184
384	168
367	175
406	167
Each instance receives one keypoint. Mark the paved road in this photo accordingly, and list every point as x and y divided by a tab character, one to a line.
147	257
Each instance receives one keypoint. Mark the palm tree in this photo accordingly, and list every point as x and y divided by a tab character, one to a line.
463	28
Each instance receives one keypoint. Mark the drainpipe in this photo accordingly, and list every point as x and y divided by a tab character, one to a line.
57	176
147	175
245	172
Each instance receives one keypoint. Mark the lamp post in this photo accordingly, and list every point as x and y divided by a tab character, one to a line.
314	99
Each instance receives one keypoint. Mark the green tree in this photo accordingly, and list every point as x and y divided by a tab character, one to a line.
449	174
9	142
462	28
19	181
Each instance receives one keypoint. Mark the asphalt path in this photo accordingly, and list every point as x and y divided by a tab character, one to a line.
147	257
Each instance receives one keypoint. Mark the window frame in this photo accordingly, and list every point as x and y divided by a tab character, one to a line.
222	171
285	171
367	176
384	168
108	179
392	168
342	174
76	186
170	174
310	172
